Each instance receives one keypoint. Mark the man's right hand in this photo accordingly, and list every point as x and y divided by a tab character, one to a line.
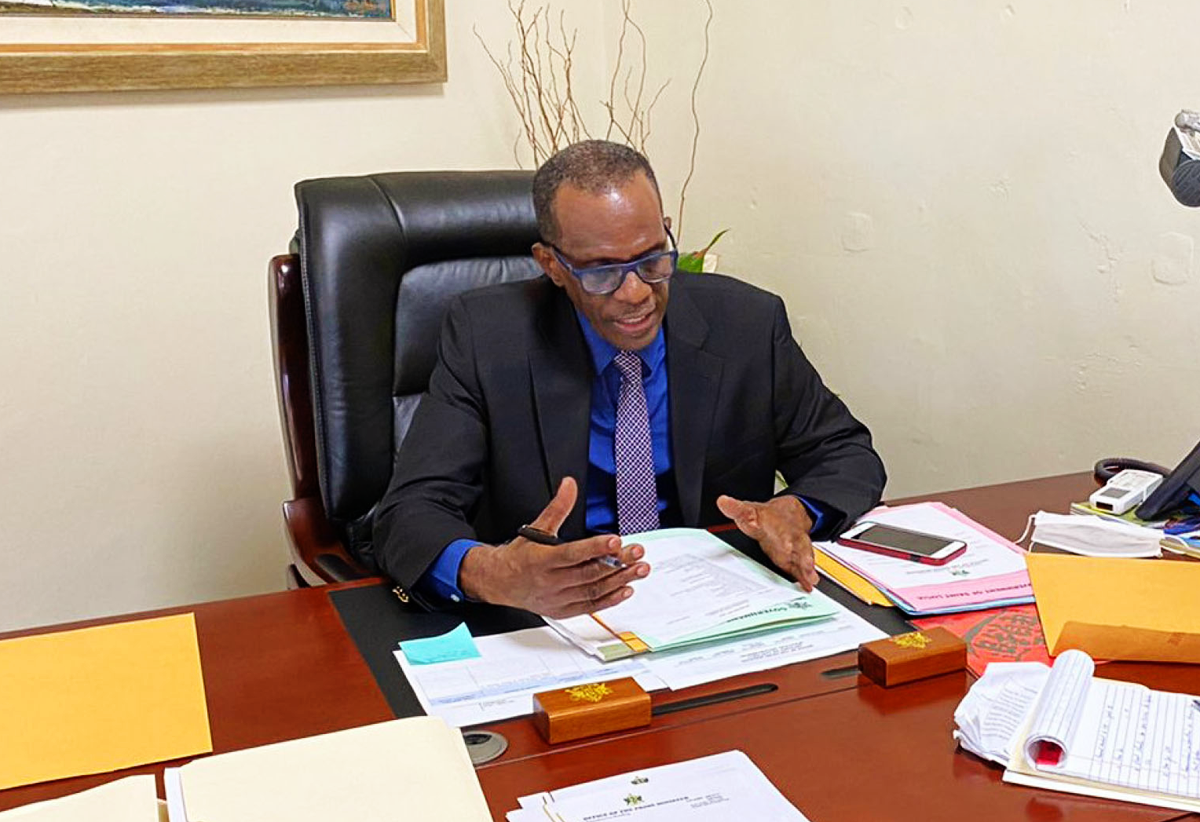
553	580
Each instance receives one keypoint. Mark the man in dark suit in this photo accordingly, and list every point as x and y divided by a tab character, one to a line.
536	395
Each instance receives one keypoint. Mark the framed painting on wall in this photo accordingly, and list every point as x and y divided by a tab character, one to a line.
110	45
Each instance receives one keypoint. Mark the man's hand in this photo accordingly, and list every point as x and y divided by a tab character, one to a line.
553	580
781	527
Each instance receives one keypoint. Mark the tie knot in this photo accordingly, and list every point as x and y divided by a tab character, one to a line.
629	364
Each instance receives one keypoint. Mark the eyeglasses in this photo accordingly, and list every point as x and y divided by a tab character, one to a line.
653	268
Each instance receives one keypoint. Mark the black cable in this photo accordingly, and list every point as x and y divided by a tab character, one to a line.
1107	468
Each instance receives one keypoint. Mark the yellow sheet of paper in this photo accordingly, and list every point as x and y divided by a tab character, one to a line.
851	581
100	699
1134	609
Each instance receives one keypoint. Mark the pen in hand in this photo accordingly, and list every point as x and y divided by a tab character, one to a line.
541	537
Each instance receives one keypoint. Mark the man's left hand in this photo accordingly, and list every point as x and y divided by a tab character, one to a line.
781	527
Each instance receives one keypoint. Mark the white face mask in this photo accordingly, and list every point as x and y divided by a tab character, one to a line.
1093	536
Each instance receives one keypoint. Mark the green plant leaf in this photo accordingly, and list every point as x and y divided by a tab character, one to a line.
712	242
692	263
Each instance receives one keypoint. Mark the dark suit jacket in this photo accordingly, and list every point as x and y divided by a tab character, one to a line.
509	402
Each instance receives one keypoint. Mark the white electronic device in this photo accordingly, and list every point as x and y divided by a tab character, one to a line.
1126	490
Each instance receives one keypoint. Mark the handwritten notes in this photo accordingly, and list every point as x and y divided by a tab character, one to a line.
1066	730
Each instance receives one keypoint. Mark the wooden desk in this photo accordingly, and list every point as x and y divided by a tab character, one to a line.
862	752
276	666
281	666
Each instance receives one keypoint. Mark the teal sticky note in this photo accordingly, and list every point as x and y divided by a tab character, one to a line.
448	647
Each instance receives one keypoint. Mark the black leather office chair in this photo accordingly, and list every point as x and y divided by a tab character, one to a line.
356	310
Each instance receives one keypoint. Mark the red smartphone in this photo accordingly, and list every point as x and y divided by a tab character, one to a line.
902	543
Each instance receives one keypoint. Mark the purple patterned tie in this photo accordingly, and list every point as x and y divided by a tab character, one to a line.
637	495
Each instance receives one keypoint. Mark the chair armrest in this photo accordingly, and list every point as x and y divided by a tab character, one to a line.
293	383
319	555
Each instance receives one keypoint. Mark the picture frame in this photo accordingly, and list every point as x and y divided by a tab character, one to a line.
72	67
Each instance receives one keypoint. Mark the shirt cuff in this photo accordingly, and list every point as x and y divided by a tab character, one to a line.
440	580
816	512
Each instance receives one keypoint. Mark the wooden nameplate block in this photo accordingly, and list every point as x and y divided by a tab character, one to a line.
906	657
587	710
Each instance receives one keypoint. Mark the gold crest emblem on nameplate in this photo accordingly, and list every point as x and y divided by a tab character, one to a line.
916	639
592	692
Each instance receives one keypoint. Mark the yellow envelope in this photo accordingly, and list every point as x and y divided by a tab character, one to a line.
1135	609
100	699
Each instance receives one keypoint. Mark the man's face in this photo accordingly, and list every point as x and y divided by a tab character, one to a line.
618	226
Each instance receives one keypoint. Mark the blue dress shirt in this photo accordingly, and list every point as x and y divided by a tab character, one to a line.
440	581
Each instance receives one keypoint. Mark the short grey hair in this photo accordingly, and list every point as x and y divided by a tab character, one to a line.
594	166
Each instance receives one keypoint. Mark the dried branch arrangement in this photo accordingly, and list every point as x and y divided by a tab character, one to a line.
537	72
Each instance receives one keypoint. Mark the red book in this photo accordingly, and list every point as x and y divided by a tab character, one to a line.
1012	634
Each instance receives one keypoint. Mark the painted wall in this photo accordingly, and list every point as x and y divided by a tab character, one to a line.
961	205
141	461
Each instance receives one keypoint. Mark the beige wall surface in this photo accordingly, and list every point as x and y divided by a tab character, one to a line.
961	205
958	201
141	462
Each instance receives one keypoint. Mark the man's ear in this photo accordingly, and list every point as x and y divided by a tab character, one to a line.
667	222
546	260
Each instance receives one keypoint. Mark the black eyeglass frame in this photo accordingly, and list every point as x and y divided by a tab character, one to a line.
622	269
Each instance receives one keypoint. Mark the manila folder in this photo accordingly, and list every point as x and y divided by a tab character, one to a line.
415	768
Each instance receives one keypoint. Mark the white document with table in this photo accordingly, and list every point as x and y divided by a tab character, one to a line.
698	582
510	669
700	589
712	661
716	788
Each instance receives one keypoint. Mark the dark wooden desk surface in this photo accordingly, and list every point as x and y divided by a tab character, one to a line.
281	666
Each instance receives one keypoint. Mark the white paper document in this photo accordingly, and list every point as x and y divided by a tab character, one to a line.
992	715
710	662
1080	734
510	669
697	582
699	589
718	788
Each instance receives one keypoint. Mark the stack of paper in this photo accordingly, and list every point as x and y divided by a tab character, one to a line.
717	788
414	768
700	589
499	681
497	678
989	574
1179	533
1062	729
130	799
1178	522
1187	544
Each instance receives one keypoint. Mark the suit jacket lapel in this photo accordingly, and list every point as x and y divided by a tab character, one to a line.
694	377
560	370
